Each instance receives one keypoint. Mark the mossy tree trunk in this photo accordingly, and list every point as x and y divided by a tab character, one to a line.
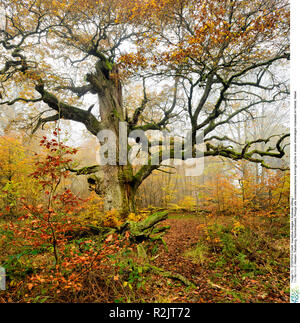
116	188
115	183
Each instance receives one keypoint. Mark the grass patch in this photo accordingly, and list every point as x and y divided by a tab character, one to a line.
197	255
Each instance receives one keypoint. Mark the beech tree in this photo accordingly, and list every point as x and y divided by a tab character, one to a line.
223	58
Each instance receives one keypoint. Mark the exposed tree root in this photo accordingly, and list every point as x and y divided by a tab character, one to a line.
171	275
145	230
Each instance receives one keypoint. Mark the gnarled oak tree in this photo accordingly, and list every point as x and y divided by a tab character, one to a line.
222	57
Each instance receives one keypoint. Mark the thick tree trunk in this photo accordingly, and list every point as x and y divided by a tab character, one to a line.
114	185
113	182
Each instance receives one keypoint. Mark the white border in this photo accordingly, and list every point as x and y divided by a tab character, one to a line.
295	147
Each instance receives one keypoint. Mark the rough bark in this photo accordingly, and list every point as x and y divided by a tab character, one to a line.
116	188
115	183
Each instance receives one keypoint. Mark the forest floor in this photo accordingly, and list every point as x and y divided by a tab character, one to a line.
217	278
226	260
